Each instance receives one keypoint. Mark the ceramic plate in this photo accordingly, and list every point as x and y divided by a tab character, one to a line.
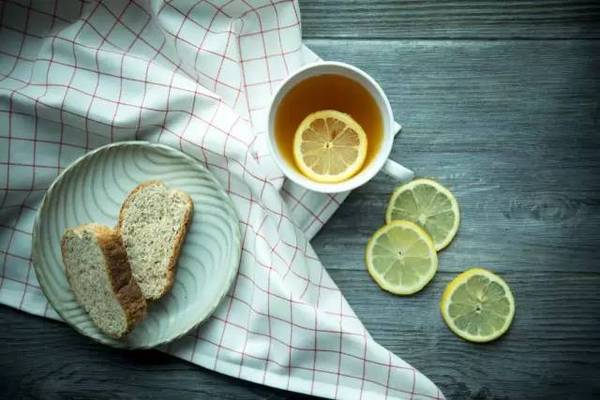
92	190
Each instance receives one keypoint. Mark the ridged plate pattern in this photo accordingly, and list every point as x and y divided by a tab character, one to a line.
92	190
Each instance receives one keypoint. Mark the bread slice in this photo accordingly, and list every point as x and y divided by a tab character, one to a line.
100	276
153	223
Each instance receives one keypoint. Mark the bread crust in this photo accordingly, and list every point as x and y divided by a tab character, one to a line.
180	235
124	285
125	288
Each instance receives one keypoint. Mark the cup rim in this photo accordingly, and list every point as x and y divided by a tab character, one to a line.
387	116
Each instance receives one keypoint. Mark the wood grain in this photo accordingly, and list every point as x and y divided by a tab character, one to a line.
43	359
393	19
551	351
511	125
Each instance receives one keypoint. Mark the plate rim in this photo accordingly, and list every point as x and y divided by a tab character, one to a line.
116	343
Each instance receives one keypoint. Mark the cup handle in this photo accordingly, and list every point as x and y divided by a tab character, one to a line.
396	128
397	171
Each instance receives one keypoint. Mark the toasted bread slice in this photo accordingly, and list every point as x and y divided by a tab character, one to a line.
153	223
100	276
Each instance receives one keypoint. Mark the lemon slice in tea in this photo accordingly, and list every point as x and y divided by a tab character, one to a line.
478	305
428	204
329	146
401	258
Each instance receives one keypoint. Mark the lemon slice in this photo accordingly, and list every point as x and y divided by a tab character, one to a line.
428	204
400	257
329	146
478	305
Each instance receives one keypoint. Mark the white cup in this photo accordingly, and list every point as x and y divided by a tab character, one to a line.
379	163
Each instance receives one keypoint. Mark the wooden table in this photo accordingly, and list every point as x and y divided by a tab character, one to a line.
500	101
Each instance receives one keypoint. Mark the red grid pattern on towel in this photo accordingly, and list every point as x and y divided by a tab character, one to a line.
196	76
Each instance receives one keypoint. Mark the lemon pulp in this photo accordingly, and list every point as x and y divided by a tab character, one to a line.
478	305
329	146
401	258
429	205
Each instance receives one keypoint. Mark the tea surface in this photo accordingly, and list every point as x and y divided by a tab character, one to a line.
323	92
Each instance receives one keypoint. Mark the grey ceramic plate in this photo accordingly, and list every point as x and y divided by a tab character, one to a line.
92	190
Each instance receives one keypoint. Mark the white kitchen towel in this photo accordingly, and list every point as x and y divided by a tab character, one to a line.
197	76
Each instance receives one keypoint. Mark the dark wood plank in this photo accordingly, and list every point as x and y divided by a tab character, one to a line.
392	19
551	352
44	359
511	127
